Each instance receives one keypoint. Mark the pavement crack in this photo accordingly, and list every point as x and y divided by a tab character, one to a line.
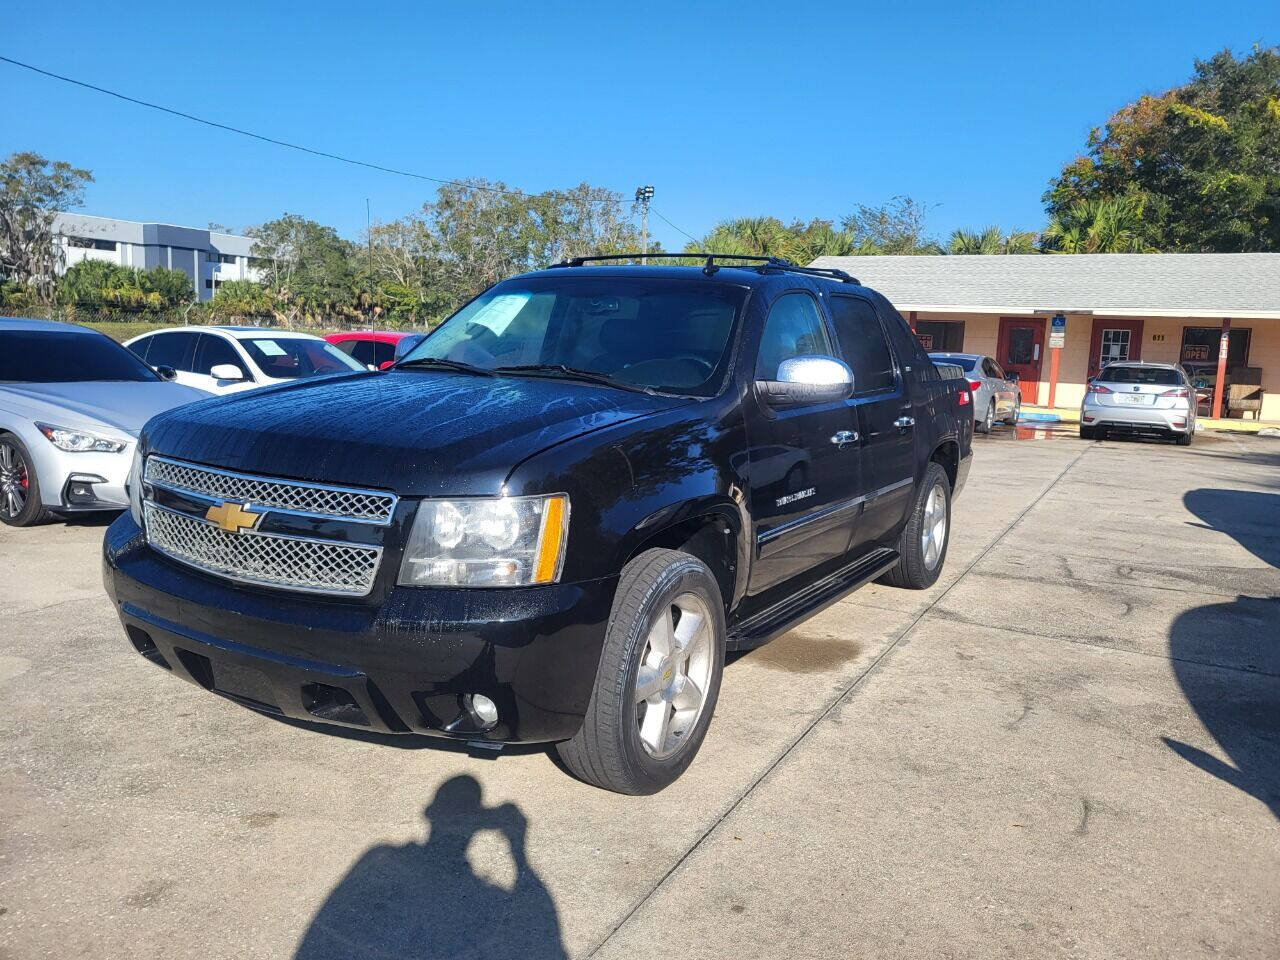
831	707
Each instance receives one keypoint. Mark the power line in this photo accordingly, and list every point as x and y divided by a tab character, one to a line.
294	146
655	212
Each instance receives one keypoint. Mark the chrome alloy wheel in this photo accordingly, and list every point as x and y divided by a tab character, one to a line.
933	531
675	672
13	480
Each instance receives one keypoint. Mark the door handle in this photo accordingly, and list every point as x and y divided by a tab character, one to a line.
903	423
845	436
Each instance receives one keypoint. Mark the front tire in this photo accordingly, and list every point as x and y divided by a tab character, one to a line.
922	548
1012	420
658	680
20	504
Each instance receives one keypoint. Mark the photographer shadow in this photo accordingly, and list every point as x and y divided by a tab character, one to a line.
420	900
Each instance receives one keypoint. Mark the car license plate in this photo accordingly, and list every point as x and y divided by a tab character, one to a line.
1136	398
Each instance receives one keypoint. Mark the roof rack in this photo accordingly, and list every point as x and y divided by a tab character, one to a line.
762	264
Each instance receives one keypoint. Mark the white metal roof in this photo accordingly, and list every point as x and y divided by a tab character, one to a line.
1237	285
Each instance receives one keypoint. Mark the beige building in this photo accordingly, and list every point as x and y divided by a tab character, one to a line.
1218	314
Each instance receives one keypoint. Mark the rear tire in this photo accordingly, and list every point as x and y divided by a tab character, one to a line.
922	548
638	745
1088	433
1184	440
989	418
20	504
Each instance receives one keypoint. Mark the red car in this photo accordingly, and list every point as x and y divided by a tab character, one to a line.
376	349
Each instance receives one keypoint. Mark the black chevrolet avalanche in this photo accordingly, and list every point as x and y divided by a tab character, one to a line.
550	520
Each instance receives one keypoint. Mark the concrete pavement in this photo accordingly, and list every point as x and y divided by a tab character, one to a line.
1068	747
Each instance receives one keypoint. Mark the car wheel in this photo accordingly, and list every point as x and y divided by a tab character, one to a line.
988	419
1184	439
658	679
1088	433
922	548
20	504
1012	420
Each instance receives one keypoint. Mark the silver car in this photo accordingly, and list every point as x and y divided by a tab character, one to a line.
1153	399
996	395
72	402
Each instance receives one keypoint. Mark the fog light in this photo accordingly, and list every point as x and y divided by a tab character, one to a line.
485	710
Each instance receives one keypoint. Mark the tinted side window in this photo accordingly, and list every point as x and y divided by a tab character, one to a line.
794	328
863	343
364	352
172	350
212	351
988	368
140	347
996	370
384	353
346	346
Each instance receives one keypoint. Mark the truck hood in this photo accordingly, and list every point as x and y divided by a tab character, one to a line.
415	432
101	405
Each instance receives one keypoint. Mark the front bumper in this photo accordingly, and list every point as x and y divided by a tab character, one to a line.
405	664
1138	419
61	474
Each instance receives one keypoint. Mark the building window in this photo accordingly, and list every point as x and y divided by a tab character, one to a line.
227	258
212	284
1115	346
941	336
90	243
1201	344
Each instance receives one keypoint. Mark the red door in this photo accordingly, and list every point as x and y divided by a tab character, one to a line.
1021	350
1114	340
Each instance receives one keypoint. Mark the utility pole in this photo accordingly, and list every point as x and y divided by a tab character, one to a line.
368	231
643	196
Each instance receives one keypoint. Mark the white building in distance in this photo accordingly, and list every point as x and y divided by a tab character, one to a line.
207	257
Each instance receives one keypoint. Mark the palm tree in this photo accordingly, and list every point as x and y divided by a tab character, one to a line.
991	240
1099	225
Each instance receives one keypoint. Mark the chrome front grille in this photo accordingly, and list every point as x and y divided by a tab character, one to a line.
365	506
295	563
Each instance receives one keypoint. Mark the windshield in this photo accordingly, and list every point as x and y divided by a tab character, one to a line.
1157	375
67	356
665	334
289	358
964	363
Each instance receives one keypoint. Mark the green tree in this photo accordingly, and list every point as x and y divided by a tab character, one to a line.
98	283
32	191
1200	163
309	270
1098	225
990	240
896	227
239	300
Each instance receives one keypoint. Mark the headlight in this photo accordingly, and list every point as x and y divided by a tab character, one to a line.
133	486
505	542
79	441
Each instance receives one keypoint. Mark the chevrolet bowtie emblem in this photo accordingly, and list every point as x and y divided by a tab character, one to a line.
232	517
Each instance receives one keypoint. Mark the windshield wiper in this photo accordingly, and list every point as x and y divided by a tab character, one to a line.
446	364
575	373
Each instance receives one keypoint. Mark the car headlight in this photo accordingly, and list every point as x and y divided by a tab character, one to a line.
503	542
133	486
79	441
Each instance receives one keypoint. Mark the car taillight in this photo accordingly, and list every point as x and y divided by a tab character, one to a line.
1098	388
963	398
1180	392
974	385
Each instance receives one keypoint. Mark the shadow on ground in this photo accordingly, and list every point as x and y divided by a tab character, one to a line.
420	900
1242	713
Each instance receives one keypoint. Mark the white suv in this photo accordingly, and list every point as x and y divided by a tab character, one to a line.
230	359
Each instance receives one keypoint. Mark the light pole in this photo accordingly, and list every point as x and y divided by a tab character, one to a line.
643	196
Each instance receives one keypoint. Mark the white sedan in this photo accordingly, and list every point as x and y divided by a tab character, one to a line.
230	359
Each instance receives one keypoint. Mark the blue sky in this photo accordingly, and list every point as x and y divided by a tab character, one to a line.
794	109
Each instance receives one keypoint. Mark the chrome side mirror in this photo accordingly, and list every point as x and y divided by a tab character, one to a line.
807	379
